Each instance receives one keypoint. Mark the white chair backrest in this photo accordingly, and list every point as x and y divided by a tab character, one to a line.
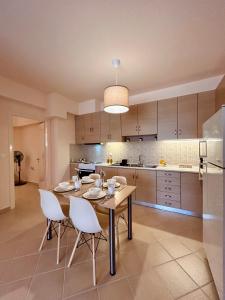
50	206
83	215
94	176
120	179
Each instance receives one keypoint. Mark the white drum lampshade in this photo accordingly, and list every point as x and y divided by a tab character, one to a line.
116	99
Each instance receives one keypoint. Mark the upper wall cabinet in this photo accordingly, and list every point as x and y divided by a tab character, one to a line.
110	127
187	117
88	128
206	108
140	120
167	119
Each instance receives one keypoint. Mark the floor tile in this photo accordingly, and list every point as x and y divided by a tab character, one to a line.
47	260
196	295
210	291
175	279
47	286
90	295
82	253
116	290
175	247
149	286
196	268
15	291
20	268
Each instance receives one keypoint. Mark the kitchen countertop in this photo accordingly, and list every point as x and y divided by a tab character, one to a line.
174	168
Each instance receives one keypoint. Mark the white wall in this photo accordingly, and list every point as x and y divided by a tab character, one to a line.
30	141
62	135
59	106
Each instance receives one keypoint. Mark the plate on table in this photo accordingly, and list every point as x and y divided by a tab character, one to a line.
101	195
60	189
87	180
105	184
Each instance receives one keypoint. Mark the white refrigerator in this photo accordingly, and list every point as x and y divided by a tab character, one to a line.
213	196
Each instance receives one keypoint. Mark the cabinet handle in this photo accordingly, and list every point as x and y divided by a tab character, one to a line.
139	128
180	131
175	132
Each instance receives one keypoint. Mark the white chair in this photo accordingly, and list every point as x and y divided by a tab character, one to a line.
94	176
53	212
84	220
121	179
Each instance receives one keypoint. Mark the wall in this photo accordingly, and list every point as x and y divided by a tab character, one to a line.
30	141
8	109
174	152
59	106
62	135
220	94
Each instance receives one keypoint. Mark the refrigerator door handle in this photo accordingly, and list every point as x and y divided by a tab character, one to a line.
201	171
202	145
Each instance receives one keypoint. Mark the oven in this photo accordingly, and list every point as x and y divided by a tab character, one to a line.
85	169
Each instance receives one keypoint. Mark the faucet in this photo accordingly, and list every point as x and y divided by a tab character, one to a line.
140	159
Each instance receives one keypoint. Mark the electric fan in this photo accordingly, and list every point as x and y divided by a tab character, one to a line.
18	157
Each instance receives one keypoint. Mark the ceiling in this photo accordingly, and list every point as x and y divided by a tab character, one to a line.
67	46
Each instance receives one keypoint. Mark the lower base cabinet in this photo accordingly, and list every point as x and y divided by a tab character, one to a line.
109	171
146	186
191	192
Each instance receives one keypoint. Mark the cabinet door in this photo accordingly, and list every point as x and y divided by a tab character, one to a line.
146	186
187	117
129	122
105	127
115	128
147	118
167	119
206	108
191	192
129	174
95	131
79	129
109	171
87	127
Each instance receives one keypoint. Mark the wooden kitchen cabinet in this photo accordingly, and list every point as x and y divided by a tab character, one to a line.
187	117
191	192
146	185
147	118
167	119
206	108
92	127
129	174
110	127
129	121
79	130
109	171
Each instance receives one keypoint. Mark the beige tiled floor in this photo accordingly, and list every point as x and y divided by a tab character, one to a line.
165	259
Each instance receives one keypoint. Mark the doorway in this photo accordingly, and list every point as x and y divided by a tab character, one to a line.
29	156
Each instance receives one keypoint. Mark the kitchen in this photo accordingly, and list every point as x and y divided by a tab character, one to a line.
130	99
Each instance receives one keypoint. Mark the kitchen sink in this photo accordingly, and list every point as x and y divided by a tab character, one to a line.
136	165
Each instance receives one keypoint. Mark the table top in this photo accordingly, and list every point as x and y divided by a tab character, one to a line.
121	194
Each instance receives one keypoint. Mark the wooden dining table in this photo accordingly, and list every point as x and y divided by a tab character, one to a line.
122	193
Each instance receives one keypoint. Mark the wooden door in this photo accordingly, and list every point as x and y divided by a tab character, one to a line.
206	108
147	118
79	129
191	192
146	185
115	128
187	117
167	119
105	127
129	174
129	122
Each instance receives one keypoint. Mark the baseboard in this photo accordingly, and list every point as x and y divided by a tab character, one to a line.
4	210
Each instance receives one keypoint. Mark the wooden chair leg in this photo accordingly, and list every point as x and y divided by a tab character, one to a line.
58	242
43	239
74	249
93	259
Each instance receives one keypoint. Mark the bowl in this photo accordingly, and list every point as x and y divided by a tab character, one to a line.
93	192
64	184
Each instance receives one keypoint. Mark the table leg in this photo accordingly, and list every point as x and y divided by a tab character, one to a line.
49	234
112	255
130	217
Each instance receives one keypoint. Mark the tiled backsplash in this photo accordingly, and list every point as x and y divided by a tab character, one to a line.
174	152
